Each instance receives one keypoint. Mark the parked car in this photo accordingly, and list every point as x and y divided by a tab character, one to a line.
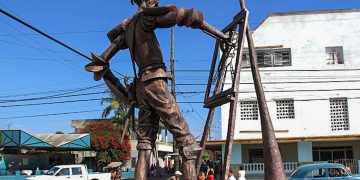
65	172
321	172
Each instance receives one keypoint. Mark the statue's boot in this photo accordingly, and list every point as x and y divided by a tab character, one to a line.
189	170
142	164
189	154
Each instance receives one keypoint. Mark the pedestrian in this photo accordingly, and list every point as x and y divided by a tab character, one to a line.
11	168
242	173
231	175
347	167
202	176
176	176
210	175
211	168
113	174
118	173
152	168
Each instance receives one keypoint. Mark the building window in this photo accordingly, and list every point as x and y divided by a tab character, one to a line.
256	156
332	154
133	162
269	58
285	109
339	114
334	55
248	110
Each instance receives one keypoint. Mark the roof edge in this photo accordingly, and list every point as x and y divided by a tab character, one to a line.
308	12
315	12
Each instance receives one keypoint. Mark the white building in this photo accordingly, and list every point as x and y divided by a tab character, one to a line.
310	68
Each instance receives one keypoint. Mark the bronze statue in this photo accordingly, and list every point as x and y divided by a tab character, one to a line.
150	90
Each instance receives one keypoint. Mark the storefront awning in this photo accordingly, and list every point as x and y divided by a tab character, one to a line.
114	165
21	139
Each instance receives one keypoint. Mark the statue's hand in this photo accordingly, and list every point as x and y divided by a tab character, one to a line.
98	66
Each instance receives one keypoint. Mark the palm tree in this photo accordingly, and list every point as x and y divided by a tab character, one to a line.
117	107
1	140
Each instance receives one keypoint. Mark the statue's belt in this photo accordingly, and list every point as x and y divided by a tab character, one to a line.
153	71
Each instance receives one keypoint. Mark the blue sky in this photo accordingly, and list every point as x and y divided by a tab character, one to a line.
33	66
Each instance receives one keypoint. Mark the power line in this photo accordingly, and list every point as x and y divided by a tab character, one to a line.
22	111
273	70
59	102
55	33
194	110
44	34
48	97
53	114
62	92
32	47
49	103
277	82
59	61
298	90
51	59
47	36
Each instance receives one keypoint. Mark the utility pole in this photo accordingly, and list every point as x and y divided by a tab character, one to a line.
9	126
172	69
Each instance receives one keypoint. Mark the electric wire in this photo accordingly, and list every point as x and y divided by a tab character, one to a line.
49	103
51	114
27	44
50	97
44	34
278	91
23	111
194	110
61	92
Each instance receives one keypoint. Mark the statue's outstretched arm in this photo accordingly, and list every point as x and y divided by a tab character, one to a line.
185	17
100	66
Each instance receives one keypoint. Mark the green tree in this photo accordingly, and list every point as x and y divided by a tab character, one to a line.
115	111
59	132
208	156
105	140
1	139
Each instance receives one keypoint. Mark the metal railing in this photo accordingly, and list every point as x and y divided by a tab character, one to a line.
257	168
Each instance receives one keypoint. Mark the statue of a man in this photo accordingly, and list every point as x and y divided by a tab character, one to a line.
151	88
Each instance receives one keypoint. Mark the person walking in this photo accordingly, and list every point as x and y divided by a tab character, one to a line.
202	176
231	175
211	175
118	173
176	176
242	173
113	174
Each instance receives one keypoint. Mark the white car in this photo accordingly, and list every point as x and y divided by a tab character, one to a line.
73	172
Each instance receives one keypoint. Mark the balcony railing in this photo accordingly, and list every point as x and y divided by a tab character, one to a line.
258	168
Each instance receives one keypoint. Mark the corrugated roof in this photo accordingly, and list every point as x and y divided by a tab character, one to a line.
58	140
